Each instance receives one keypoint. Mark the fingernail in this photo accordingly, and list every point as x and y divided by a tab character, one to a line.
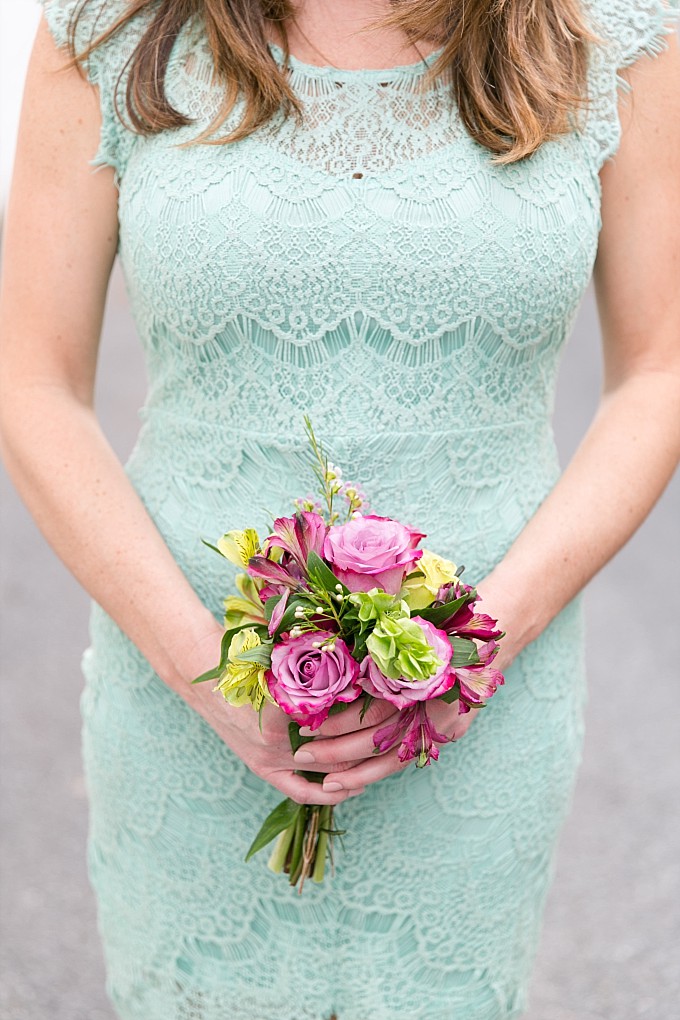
332	786
304	757
306	731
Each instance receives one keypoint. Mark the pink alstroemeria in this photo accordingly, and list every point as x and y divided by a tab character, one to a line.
298	536
417	734
278	576
480	681
467	623
279	610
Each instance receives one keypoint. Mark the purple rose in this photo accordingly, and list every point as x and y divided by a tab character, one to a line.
372	552
305	681
403	692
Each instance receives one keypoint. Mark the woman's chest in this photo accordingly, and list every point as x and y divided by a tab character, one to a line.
383	207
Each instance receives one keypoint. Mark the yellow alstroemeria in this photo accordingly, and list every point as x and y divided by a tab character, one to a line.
244	682
239	546
248	608
420	592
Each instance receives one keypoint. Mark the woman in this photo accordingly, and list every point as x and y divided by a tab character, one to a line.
404	269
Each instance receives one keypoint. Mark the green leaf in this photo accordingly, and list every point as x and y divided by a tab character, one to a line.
464	652
359	647
440	614
270	605
311	777
289	619
323	575
350	615
212	674
350	624
284	814
368	701
450	696
295	737
296	850
226	641
211	546
261	654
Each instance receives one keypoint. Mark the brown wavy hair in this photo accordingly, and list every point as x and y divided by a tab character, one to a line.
518	68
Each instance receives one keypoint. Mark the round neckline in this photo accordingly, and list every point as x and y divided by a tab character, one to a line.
375	73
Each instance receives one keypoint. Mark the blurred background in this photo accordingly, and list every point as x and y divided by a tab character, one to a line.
611	941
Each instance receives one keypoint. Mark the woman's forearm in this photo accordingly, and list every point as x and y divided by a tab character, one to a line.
83	502
618	472
86	506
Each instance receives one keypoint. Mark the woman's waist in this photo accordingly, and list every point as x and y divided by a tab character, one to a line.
461	454
282	423
468	514
228	458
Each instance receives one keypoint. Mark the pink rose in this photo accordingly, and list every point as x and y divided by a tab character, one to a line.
305	681
372	552
403	692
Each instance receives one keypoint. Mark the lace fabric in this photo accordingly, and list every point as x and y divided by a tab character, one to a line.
374	270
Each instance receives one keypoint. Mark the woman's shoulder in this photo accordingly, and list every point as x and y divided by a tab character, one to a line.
627	31
83	22
91	18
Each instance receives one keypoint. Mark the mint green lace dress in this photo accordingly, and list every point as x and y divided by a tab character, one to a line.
372	269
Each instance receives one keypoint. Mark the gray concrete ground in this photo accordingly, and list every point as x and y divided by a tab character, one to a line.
611	943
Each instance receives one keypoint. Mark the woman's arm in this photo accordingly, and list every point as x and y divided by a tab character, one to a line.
60	240
632	446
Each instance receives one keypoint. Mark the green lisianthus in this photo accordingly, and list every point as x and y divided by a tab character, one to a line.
374	603
399	648
243	681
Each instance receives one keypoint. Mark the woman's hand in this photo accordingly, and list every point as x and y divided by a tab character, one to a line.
343	746
344	749
267	753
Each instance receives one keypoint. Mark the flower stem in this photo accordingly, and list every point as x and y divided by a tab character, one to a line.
309	850
325	823
322	470
277	860
296	854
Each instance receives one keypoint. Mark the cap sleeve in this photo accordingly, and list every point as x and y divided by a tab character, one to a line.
629	30
105	67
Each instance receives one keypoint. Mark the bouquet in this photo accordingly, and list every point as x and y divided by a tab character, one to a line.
331	610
